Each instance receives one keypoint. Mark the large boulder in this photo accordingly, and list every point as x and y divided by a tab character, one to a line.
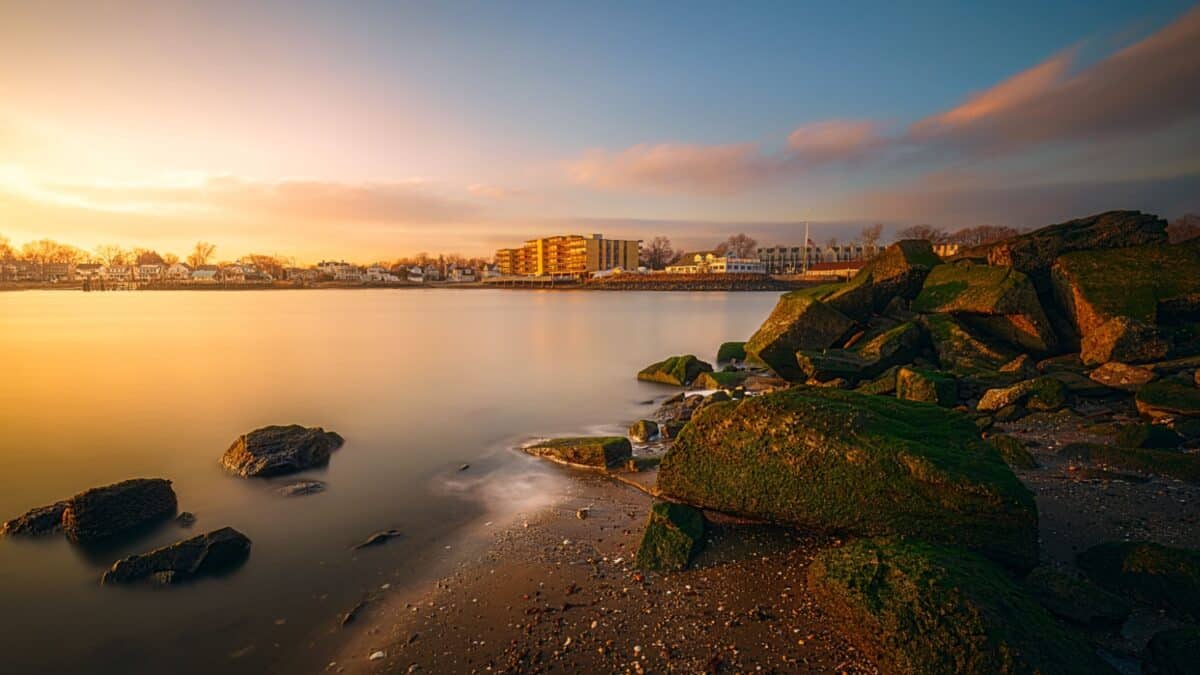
1168	398
917	608
1161	576
927	386
1013	451
277	450
679	371
998	300
1097	287
1035	252
100	513
589	451
1142	435
799	321
213	553
1039	393
897	272
1117	375
642	431
1175	651
1184	466
722	380
838	461
872	355
1076	600
731	351
35	522
674	534
962	350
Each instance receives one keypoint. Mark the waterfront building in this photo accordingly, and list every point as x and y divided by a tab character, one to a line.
460	273
946	250
569	255
59	272
179	272
795	259
332	268
150	271
206	273
713	262
89	271
122	272
378	274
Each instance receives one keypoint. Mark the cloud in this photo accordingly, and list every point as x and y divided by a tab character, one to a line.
493	191
676	168
835	141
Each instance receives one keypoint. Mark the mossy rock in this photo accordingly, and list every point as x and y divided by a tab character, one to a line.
1123	339
724	380
917	608
1000	300
884	385
1013	451
1142	435
1009	413
927	386
799	321
1184	466
1076	600
1040	394
643	430
1161	576
871	356
731	351
677	370
1175	651
838	461
590	451
674	535
898	271
962	351
1168	397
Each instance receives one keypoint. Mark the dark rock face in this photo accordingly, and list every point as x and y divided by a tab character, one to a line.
276	450
218	551
679	371
1166	398
838	461
1076	600
35	522
1154	436
731	351
870	357
927	386
643	430
1123	339
596	452
1013	451
899	271
100	513
1173	652
962	349
1161	576
917	608
1182	465
674	534
799	321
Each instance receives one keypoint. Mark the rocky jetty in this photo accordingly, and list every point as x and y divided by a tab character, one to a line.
679	371
277	450
593	452
207	554
35	522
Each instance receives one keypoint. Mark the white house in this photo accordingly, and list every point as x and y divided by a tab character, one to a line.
432	273
206	274
150	271
331	268
379	274
178	272
233	273
460	274
122	272
416	274
89	271
490	271
712	262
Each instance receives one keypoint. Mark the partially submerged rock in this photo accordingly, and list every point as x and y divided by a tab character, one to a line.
731	351
1184	466
679	371
1076	600
674	534
301	488
213	553
927	386
1160	576
277	450
913	607
839	461
1166	398
799	321
1175	651
100	513
1013	451
642	431
36	522
589	451
999	300
377	538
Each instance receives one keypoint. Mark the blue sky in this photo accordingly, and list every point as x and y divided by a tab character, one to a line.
355	128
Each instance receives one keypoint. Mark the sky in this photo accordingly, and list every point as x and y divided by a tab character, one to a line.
368	131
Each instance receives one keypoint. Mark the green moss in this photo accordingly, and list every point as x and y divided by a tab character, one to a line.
885	384
674	534
798	322
961	351
839	461
1161	576
898	271
729	380
643	430
1169	396
1078	601
1184	466
1147	436
999	300
929	386
1039	393
731	351
1013	451
922	609
676	370
599	452
1173	652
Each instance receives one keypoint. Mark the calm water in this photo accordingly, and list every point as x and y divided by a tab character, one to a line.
106	386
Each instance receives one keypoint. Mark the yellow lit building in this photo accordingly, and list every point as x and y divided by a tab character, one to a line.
568	255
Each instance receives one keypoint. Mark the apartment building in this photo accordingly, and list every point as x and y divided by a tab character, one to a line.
568	255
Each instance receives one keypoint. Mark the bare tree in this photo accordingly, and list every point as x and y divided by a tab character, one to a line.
869	236
659	253
145	256
934	235
982	234
111	254
170	258
739	245
48	251
1184	227
201	254
6	249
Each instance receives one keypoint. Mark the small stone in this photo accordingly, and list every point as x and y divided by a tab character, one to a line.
581	514
375	656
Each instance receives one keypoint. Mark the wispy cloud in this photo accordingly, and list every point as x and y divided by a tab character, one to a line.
835	141
676	168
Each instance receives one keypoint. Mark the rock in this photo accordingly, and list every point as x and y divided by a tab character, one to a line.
1040	393
185	519
1022	365
1184	466
671	429
674	534
36	522
1161	576
997	300
1009	413
799	321
759	384
962	351
884	385
1124	339
1121	376
1141	435
679	371
1167	398
1078	601
1013	451
213	553
1034	253
1173	652
898	271
917	608
582	514
837	461
928	386
1083	386
679	409
731	351
351	614
276	450
597	452
103	512
377	538
643	430
730	380
869	358
302	488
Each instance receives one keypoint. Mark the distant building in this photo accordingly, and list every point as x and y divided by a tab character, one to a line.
378	274
568	255
178	272
150	271
460	274
122	272
841	270
712	262
432	273
206	274
301	274
332	268
490	271
89	271
946	250
56	272
416	274
233	273
795	259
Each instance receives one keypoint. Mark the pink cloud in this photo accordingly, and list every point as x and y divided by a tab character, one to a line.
675	168
835	140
